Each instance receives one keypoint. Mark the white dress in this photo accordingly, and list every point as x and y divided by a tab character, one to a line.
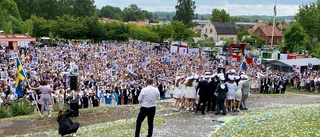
239	91
231	90
190	92
178	91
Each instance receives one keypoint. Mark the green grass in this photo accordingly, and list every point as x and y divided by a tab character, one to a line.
119	128
276	121
301	92
274	95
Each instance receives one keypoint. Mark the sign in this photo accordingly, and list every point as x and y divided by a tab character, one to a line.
310	66
3	75
75	70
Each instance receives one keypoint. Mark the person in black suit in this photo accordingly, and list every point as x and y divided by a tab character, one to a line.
221	93
135	95
125	95
212	98
66	126
161	90
204	90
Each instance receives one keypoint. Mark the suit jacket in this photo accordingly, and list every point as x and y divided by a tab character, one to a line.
245	87
204	88
213	86
222	93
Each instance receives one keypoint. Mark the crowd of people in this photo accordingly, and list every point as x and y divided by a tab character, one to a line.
115	73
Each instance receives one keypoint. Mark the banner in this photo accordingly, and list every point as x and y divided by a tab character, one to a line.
192	51
173	49
183	50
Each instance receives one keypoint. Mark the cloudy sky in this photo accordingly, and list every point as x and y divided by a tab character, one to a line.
234	7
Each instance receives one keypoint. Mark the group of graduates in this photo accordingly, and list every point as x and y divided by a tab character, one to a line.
213	91
273	84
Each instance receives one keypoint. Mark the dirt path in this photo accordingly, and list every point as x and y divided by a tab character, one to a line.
178	124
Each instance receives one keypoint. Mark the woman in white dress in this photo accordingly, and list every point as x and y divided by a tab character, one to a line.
190	94
232	86
238	93
178	93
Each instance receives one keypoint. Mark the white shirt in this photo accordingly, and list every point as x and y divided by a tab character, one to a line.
148	96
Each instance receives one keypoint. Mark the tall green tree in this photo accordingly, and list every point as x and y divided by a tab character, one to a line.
309	18
109	12
116	31
132	13
185	12
82	8
11	8
42	27
218	15
296	38
241	32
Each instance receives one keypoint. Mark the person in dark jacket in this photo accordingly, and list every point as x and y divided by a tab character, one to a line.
221	93
204	91
66	126
212	99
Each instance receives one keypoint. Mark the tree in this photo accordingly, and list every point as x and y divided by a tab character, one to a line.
180	31
27	27
185	12
82	8
164	32
116	31
255	40
241	32
93	28
309	18
296	38
11	7
42	27
109	12
132	13
71	27
218	15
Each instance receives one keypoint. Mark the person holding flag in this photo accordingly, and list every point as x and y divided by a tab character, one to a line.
20	77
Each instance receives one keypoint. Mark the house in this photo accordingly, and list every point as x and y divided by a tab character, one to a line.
283	26
247	25
264	30
164	21
140	23
200	22
219	30
198	28
107	20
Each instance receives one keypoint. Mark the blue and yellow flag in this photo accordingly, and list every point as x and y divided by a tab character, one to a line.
20	77
244	64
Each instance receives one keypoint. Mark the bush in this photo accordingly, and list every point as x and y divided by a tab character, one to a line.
59	106
20	107
4	113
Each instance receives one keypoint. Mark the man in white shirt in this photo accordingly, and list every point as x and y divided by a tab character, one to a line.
147	97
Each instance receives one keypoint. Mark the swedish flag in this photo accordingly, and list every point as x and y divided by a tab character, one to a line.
20	77
244	64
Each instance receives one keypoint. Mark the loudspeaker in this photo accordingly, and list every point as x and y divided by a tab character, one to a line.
73	82
74	105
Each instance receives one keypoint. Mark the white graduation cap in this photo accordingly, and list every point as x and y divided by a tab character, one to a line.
222	77
207	73
233	71
206	77
213	75
237	77
231	77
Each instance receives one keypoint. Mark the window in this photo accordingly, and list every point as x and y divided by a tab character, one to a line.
270	41
211	30
206	30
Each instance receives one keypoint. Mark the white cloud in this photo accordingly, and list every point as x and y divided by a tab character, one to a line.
234	7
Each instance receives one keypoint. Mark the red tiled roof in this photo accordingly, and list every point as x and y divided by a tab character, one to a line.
106	20
139	23
268	31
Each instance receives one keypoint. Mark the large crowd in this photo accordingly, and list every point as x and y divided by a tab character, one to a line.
115	73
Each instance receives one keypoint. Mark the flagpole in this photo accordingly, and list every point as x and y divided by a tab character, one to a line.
274	21
26	78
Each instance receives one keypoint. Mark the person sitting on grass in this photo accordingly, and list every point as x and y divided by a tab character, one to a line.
66	126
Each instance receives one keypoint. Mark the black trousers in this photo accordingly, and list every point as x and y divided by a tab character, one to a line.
145	112
202	100
212	103
220	106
